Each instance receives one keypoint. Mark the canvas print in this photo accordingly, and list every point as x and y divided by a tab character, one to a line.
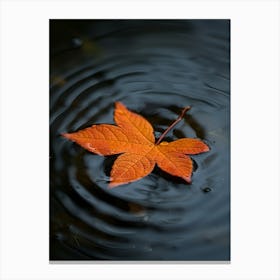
139	140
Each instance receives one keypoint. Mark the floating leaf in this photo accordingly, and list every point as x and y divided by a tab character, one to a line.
133	138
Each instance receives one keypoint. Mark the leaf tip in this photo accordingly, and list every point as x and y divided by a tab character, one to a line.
119	105
187	179
65	135
207	148
114	184
69	136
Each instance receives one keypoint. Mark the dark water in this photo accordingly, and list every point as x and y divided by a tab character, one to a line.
155	68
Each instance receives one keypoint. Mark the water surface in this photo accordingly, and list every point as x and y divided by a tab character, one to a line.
155	68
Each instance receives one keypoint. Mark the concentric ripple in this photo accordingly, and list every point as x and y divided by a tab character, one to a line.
155	68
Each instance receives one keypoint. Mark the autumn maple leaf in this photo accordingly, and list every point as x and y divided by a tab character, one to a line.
133	138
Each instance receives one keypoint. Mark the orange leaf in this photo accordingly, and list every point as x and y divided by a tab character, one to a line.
133	138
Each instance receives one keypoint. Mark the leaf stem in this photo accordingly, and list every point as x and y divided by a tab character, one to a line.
185	110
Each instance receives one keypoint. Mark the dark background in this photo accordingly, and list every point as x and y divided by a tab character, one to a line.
155	67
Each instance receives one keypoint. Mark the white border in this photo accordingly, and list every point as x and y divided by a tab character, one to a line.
254	123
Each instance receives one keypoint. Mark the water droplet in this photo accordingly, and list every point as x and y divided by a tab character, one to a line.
77	42
207	189
146	218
